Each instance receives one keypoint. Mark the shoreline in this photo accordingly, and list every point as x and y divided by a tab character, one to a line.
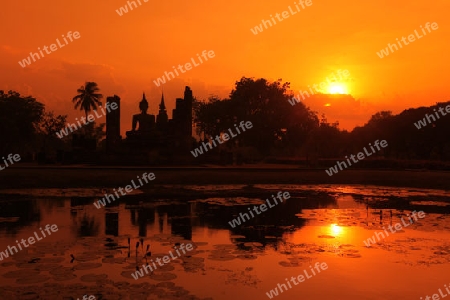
88	177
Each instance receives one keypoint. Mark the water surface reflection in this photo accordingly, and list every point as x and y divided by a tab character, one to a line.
95	251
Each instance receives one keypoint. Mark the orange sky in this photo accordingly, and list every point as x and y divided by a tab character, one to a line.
124	54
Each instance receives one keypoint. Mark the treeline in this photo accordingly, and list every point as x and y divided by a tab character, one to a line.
28	129
282	130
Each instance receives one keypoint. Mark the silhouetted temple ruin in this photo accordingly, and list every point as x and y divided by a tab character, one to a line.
152	133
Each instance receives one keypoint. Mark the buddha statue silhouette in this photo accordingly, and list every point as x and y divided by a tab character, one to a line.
146	122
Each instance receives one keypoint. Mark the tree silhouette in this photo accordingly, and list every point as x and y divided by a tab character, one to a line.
88	98
50	125
276	123
213	117
94	131
19	121
275	120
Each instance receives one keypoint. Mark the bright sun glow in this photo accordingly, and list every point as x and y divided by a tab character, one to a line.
335	229
337	88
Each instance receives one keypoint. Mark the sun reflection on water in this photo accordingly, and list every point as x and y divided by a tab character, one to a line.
336	230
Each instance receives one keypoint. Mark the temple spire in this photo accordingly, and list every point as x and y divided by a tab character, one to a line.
162	106
143	96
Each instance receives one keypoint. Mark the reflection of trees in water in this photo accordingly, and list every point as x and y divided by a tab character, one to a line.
82	201
49	205
83	225
283	214
263	228
112	223
86	226
79	204
273	222
179	217
27	210
141	217
145	217
89	225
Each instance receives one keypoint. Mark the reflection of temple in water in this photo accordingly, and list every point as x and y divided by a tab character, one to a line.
152	133
178	218
189	218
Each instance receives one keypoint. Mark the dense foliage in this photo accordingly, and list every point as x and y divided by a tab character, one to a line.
282	129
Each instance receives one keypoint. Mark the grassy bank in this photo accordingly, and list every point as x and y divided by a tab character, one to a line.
72	177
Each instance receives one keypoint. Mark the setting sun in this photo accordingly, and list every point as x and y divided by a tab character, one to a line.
337	88
335	229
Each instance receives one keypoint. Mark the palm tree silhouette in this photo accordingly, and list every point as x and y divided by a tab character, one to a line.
88	98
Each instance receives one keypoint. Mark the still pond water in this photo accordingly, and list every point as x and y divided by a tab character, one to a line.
96	251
